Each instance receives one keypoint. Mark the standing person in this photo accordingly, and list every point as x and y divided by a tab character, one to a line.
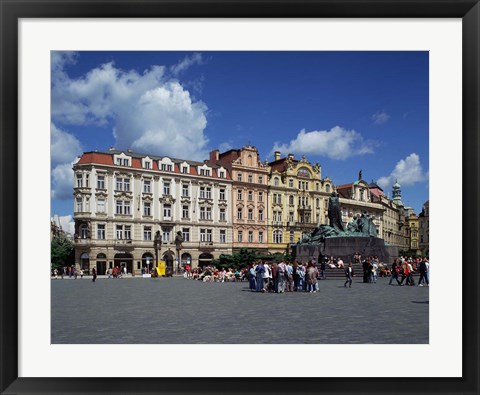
267	275
281	273
289	274
395	270
311	278
374	270
251	278
55	272
259	270
301	277
94	275
322	269
349	275
75	274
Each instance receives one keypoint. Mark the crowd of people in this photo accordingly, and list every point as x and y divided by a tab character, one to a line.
70	272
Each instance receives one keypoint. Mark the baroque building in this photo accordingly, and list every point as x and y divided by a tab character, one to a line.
249	196
121	199
297	200
423	224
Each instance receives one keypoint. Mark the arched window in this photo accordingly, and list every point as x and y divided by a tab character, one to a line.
83	231
327	188
276	181
277	237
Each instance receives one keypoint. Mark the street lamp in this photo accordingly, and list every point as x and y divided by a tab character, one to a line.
157	244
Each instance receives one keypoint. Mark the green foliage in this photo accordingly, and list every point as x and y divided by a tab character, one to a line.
62	252
245	257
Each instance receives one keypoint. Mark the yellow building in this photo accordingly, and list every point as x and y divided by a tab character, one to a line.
413	225
297	200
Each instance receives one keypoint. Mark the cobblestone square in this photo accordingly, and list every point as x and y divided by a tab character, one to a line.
176	310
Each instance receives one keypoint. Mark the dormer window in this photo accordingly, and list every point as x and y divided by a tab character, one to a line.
122	160
167	167
221	174
205	172
184	169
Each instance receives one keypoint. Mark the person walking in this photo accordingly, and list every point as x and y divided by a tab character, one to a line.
94	275
349	275
423	273
395	270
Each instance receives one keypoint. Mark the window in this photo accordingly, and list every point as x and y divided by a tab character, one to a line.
239	177
185	212
205	213
166	235
260	179
250	196
87	204
100	182
250	178
277	216
277	198
260	196
119	232
147	165
119	184
318	202
79	180
362	194
260	237
147	186
125	162
250	236
260	215
126	207
186	234
147	209
122	184
147	233
221	174
239	194
87	180
222	215
222	194
327	188
277	237
166	188
290	183
291	217
166	167
205	192
250	213
101	231
205	172
205	235
184	169
126	184
100	205
119	207
119	161
290	200
240	236
292	236
79	205
276	181
167	211
223	236
239	213
185	190
83	232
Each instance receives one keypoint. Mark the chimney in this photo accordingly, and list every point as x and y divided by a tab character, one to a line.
277	155
214	155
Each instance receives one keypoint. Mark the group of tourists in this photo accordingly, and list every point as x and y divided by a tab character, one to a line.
406	267
217	275
70	272
283	276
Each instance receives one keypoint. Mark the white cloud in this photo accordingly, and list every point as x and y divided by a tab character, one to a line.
149	112
64	146
336	143
65	222
186	63
62	181
380	117
407	172
225	147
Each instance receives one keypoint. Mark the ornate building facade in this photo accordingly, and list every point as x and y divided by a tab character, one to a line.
249	196
297	200
121	199
423	224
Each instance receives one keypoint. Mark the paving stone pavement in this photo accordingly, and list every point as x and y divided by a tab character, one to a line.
175	310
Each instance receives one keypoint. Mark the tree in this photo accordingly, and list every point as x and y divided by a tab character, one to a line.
62	251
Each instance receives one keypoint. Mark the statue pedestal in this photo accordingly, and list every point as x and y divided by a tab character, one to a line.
345	248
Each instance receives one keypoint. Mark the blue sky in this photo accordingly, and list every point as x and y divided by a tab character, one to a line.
345	110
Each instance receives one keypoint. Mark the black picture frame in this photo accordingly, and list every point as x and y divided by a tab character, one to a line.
11	11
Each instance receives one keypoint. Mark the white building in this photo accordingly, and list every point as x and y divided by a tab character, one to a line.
122	199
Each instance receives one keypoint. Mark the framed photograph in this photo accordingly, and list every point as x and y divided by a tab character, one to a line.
356	121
